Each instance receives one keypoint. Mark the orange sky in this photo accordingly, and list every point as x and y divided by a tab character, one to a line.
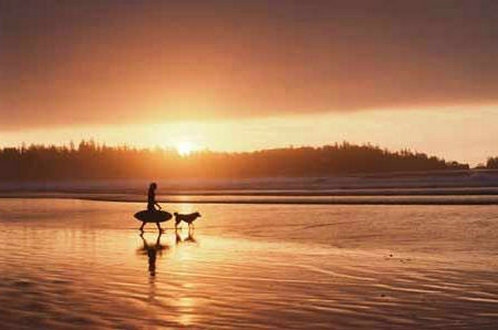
465	135
420	74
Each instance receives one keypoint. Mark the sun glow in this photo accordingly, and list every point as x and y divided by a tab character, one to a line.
185	148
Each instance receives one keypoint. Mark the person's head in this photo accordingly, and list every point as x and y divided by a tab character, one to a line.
153	186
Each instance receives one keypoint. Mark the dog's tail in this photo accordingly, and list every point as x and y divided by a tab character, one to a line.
176	213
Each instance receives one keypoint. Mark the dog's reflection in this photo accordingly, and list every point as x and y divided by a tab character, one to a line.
185	239
151	250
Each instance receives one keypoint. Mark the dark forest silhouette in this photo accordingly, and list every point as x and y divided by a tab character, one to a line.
492	163
92	161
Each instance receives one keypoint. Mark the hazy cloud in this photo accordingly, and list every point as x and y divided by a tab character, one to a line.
67	62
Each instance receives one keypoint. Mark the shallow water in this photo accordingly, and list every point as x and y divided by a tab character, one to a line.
73	263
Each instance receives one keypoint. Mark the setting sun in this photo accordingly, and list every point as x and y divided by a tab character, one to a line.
185	148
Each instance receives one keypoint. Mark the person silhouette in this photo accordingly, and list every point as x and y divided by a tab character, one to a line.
151	200
151	204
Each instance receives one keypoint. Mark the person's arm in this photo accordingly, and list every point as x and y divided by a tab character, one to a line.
159	206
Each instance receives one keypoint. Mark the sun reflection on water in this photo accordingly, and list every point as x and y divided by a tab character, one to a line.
187	307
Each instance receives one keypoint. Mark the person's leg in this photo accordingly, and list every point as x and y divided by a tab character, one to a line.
142	226
159	227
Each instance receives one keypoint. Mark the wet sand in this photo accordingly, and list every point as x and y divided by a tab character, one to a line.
82	264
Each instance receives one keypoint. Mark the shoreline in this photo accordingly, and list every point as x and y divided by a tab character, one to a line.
272	199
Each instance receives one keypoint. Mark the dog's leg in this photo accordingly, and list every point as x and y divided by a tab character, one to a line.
178	237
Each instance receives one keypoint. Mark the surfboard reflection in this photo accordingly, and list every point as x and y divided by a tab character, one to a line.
151	250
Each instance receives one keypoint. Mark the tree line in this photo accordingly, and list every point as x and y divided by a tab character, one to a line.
492	163
90	160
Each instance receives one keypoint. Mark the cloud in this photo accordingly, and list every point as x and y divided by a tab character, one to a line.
66	63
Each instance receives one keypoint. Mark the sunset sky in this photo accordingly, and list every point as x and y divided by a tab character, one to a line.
245	75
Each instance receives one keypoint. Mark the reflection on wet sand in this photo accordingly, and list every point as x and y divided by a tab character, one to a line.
154	250
151	251
80	264
181	238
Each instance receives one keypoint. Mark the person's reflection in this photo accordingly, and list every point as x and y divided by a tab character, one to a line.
190	238
151	250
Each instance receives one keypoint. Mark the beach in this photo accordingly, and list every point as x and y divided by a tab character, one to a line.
313	164
69	263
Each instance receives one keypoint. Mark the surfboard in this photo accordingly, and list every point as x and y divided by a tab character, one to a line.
153	216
